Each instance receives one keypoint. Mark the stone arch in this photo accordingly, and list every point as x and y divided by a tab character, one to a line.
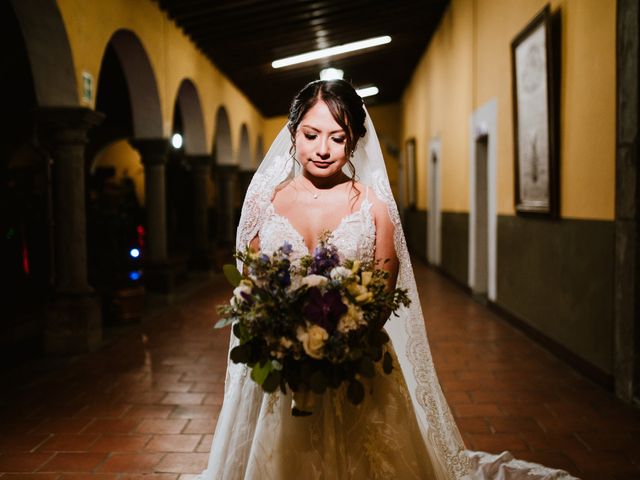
222	138
49	52
244	149
141	81
188	101
259	151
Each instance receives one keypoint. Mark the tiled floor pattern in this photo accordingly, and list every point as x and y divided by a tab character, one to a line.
145	406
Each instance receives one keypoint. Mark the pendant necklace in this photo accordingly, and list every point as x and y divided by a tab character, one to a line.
314	195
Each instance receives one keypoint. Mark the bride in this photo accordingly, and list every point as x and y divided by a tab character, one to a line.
325	172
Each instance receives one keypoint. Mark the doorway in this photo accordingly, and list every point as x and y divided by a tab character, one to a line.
483	219
481	240
434	233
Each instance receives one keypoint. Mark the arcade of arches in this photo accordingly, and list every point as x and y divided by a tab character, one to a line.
91	173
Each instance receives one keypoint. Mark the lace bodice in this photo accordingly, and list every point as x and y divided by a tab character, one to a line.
354	237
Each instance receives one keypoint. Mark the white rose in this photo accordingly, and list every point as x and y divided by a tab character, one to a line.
351	320
314	281
313	340
244	287
340	272
296	283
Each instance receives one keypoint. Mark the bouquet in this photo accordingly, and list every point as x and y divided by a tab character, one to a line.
310	326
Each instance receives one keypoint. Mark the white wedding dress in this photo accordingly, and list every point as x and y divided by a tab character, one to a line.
404	428
258	438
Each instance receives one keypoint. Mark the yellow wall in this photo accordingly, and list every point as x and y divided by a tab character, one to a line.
272	127
387	120
173	57
468	63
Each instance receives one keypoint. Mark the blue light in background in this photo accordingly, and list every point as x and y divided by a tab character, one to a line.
135	275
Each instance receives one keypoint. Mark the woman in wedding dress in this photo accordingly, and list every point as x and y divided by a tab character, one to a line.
325	172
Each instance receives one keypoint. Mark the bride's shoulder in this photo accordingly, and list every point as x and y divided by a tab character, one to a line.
378	207
283	192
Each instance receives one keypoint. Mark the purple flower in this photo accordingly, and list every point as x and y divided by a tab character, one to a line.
324	310
283	277
286	248
325	258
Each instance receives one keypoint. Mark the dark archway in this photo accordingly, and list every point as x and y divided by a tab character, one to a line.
114	209
244	149
223	151
48	50
246	167
141	82
179	187
25	222
226	181
259	152
190	110
190	146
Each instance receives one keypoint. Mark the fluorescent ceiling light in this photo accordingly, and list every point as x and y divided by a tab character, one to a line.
331	74
367	92
328	52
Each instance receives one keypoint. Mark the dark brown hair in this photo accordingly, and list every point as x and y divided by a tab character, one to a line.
344	103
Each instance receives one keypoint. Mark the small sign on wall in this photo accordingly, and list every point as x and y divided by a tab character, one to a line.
87	87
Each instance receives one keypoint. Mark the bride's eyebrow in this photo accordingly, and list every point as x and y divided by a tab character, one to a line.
317	130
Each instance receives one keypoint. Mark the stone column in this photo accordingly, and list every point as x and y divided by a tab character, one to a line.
226	185
73	322
158	276
200	253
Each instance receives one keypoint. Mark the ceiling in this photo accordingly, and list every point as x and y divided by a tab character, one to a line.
243	37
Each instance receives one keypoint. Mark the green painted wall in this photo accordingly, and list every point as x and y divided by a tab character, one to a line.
557	276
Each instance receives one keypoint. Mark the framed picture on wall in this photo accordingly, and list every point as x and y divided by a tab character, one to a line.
534	119
411	172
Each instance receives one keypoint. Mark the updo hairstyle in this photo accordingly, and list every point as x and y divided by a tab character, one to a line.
344	103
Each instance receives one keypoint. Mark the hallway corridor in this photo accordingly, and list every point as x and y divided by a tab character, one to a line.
146	404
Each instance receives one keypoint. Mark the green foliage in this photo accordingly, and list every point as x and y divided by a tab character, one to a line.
241	353
272	382
232	274
260	371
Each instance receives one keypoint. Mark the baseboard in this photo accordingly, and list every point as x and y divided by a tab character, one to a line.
590	371
585	368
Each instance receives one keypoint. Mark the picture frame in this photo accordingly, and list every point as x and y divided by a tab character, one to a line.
411	173
534	118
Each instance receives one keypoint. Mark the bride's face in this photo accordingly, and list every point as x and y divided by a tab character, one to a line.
320	142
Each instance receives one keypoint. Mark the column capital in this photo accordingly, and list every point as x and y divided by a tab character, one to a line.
67	125
152	150
202	160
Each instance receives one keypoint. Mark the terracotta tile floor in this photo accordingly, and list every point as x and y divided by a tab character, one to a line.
146	404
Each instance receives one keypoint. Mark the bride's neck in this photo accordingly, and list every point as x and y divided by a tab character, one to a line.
325	183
